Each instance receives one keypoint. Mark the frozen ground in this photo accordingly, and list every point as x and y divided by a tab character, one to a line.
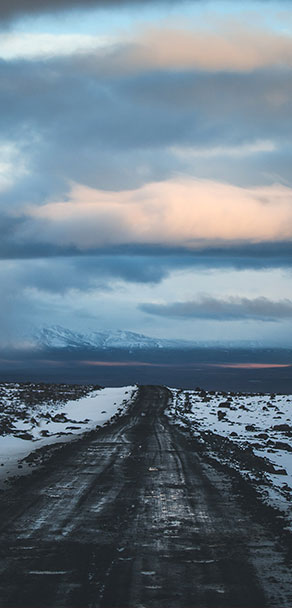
35	415
138	514
249	432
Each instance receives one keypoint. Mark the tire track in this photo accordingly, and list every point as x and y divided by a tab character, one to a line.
132	517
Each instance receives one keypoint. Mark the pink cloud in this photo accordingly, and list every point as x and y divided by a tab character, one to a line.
250	365
181	212
127	364
230	46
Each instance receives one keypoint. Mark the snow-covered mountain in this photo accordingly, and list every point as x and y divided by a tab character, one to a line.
60	337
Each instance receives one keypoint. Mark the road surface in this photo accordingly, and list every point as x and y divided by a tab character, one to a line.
132	517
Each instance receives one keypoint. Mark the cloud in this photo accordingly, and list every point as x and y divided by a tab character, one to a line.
180	212
16	8
249	365
240	151
11	164
118	134
140	127
232	46
16	45
219	46
229	309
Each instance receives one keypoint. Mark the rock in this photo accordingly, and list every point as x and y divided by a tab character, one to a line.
221	415
24	435
282	445
263	436
250	427
282	427
59	418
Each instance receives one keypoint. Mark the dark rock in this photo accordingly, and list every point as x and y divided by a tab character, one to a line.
221	415
24	435
263	436
281	445
59	418
282	427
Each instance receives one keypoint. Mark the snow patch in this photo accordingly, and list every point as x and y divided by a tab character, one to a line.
38	425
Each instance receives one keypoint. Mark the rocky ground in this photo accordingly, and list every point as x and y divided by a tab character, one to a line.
251	433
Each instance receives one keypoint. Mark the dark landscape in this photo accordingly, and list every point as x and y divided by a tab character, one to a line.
268	370
140	514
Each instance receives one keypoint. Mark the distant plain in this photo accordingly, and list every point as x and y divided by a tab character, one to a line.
247	370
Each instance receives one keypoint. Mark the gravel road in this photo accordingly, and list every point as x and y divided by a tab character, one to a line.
130	517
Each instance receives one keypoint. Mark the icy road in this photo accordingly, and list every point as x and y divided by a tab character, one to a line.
131	516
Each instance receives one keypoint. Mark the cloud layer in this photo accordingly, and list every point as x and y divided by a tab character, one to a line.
232	46
184	212
229	309
16	8
135	163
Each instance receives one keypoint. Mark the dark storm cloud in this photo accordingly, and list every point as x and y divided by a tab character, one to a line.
230	309
60	274
15	8
75	121
71	267
96	273
147	264
189	108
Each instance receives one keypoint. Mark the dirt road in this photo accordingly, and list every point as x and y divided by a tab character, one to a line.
132	517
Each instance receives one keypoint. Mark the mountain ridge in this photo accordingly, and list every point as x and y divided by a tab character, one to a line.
58	337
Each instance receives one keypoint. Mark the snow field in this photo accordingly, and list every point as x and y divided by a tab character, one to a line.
257	422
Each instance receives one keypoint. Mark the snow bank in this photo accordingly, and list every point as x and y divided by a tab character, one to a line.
36	426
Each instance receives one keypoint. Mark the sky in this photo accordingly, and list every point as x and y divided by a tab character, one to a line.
145	168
